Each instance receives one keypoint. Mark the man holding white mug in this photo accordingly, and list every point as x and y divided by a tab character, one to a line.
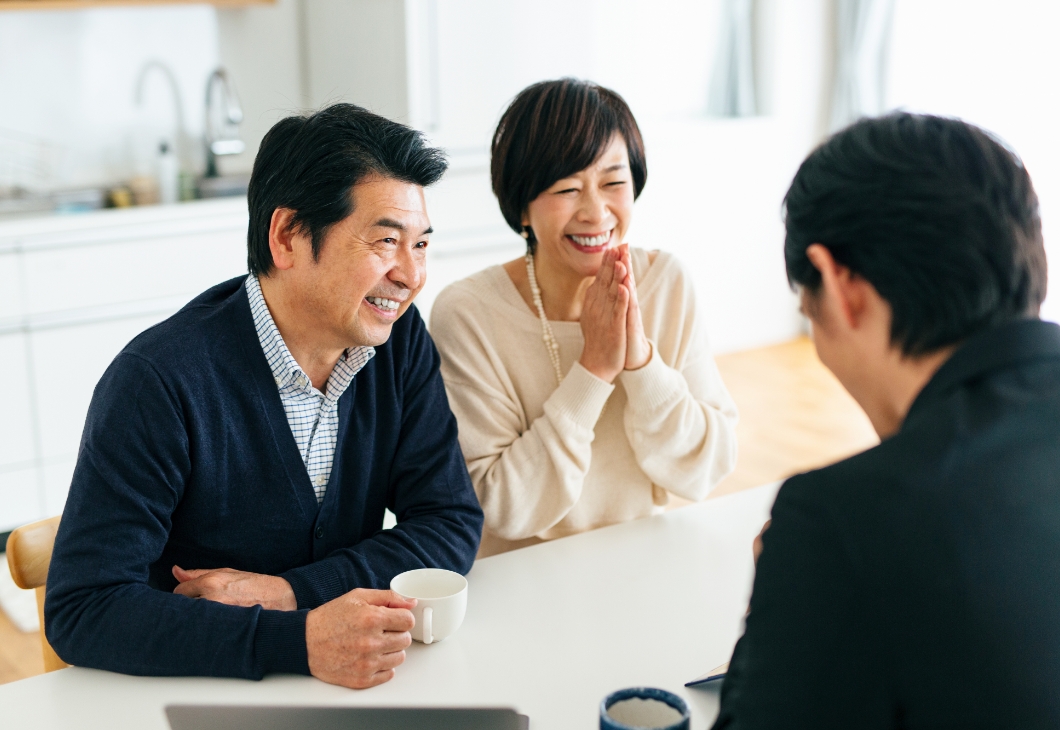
441	601
245	450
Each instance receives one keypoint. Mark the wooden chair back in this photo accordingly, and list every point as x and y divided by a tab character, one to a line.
29	553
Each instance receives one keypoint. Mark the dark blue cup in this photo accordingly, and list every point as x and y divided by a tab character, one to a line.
645	693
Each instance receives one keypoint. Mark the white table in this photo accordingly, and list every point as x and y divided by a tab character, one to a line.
550	630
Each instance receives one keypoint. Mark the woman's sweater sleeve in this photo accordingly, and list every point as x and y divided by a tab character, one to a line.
679	417
526	478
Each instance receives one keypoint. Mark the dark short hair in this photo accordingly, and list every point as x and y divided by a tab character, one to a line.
311	163
938	215
554	129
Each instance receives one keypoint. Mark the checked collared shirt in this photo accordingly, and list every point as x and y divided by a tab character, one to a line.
312	415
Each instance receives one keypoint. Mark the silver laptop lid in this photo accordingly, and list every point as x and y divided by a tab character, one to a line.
236	717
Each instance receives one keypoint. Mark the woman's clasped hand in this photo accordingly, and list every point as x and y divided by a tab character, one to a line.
610	320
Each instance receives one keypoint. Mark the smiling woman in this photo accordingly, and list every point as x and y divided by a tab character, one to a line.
580	375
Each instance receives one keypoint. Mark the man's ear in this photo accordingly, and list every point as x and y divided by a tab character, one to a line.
842	291
282	237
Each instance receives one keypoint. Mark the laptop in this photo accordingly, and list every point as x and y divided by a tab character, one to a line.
236	717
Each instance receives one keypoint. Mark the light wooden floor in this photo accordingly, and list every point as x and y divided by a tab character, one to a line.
20	654
794	416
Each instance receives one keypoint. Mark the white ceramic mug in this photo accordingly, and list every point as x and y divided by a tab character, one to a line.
441	597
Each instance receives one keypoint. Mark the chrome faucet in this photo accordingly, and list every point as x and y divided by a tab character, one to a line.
222	120
174	88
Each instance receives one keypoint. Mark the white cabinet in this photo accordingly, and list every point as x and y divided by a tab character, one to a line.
470	233
10	289
68	362
20	498
73	292
16	432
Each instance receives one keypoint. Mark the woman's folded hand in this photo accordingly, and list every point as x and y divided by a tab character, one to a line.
603	318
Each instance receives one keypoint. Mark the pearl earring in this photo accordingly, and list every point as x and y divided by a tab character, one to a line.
525	234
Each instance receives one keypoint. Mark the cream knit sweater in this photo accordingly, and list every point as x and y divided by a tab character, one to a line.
550	461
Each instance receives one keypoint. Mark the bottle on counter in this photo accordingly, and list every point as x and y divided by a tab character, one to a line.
188	187
119	196
144	190
168	174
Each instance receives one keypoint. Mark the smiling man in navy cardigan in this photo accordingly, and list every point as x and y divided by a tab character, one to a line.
226	512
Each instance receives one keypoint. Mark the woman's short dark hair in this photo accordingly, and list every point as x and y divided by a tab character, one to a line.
938	215
311	163
554	129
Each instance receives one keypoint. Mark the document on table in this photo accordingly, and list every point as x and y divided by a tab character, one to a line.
713	675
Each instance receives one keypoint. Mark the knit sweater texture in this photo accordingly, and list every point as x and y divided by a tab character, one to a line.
552	460
187	459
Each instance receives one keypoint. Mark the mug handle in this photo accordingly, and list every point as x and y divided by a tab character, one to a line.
428	633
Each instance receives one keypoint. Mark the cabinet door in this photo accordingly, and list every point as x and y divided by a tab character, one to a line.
461	260
10	288
55	477
20	499
68	362
17	449
118	268
471	233
65	392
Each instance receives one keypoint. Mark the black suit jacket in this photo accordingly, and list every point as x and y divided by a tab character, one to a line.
917	585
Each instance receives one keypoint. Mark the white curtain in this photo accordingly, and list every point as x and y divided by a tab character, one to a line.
863	30
732	87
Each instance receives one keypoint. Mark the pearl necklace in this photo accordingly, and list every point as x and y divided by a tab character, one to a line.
546	329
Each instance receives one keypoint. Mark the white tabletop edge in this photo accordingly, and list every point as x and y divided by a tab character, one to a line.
593	595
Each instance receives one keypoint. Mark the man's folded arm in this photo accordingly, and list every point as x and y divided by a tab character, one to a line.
100	610
439	517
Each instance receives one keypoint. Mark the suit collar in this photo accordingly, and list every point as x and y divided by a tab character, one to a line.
996	348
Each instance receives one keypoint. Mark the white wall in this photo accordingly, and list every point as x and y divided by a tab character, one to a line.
996	65
450	68
67	81
714	186
355	50
261	46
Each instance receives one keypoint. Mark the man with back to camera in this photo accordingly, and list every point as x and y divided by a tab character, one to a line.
244	450
916	585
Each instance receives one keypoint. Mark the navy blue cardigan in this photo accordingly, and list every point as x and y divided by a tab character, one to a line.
187	459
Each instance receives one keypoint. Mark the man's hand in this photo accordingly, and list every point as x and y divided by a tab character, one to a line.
357	639
236	588
756	548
